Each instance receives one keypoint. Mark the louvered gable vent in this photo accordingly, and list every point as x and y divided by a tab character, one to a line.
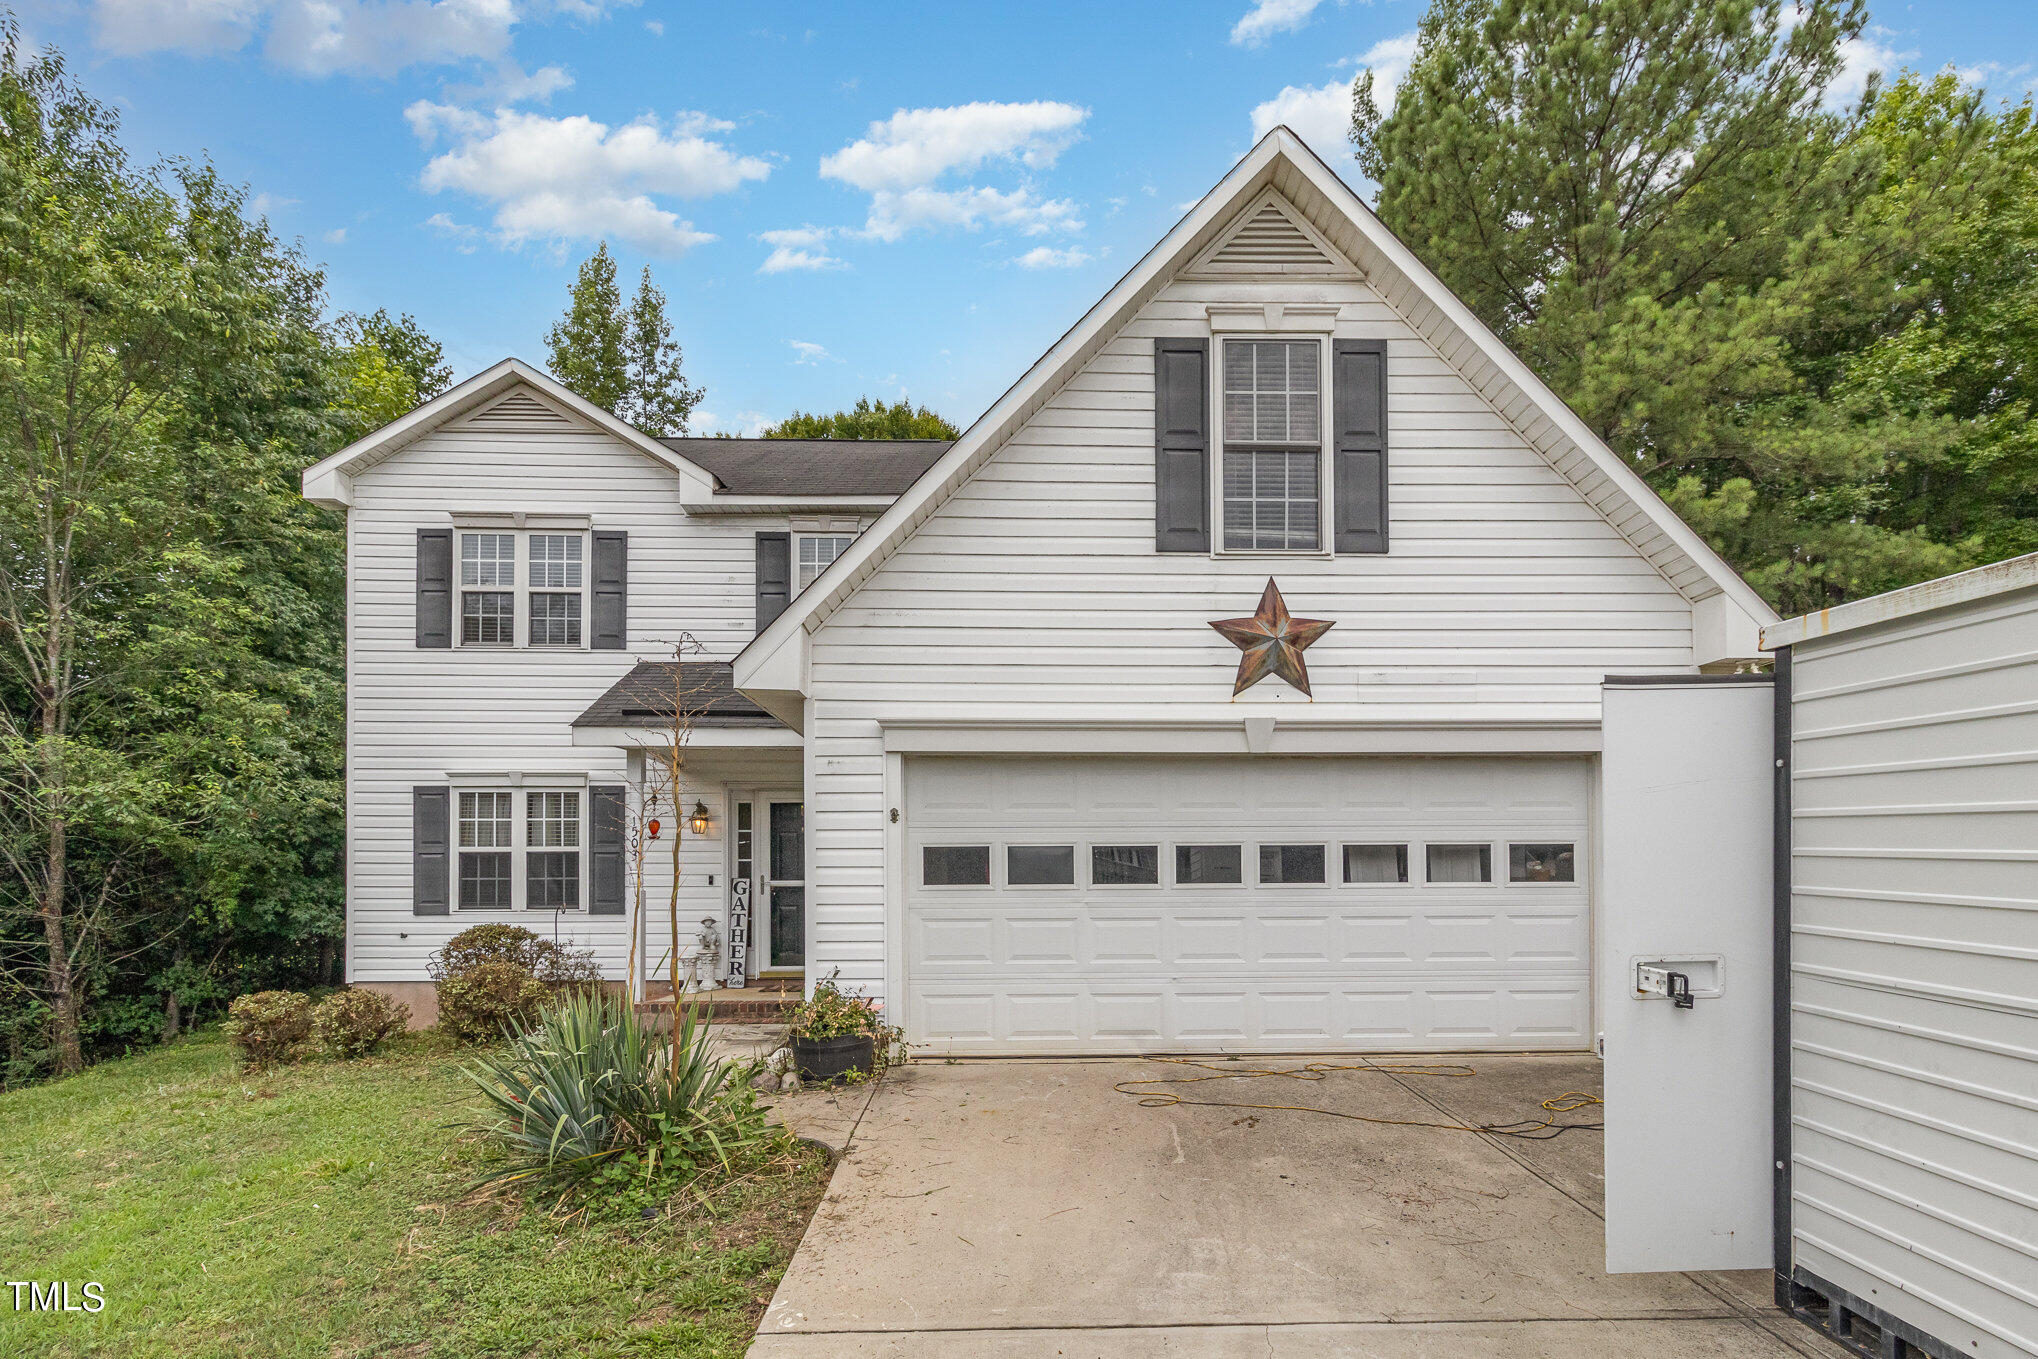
1269	239
518	411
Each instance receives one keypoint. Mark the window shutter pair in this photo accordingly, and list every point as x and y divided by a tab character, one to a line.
1182	445
608	602
431	850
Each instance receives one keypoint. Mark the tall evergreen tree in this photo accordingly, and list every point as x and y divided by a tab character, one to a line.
621	358
1650	201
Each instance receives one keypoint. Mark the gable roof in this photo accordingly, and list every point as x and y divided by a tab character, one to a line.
1281	163
794	467
328	481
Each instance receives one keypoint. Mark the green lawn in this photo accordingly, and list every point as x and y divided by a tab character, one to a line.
317	1211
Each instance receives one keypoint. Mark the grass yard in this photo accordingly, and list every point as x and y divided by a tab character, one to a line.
319	1210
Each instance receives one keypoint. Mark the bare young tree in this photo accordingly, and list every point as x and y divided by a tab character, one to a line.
683	688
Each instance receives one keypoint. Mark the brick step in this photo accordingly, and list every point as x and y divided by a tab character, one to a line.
759	1004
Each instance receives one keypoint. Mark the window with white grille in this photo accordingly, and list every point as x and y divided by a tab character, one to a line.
508	862
1271	480
540	604
817	551
488	589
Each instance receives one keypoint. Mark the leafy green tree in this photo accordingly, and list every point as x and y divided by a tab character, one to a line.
391	367
868	419
623	359
1649	201
169	615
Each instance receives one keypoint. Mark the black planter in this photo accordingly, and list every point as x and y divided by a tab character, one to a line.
826	1059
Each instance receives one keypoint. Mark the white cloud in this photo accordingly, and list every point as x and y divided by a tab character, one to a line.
915	147
747	424
1322	114
572	178
806	351
337	236
127	28
361	37
654	28
262	204
510	83
1047	257
893	214
463	236
1861	57
795	249
335	37
1268	17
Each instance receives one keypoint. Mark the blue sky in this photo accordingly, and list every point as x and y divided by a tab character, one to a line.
838	199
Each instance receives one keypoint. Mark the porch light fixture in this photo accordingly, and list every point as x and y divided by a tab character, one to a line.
700	818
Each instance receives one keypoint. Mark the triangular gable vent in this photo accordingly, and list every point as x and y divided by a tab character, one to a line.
519	412
1267	239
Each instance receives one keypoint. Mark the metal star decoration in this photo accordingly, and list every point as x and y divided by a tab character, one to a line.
1272	641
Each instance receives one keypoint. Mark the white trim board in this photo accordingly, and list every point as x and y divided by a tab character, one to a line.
2018	573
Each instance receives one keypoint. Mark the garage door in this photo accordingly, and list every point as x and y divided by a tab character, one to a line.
1273	905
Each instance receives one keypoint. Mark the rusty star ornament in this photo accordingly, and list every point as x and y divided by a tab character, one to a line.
1272	641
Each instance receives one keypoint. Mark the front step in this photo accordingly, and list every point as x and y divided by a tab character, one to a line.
763	1002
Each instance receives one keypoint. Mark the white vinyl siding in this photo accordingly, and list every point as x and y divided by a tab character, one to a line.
1914	976
1034	592
476	715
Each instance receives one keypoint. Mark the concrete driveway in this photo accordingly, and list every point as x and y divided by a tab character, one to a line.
1027	1208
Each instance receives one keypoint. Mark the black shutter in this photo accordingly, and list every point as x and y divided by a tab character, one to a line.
1181	445
435	588
431	815
774	576
611	630
605	837
1358	388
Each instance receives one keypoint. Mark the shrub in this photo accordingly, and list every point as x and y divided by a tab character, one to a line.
268	1027
354	1023
554	964
491	975
479	1004
595	1097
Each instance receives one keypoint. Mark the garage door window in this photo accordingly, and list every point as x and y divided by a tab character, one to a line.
1460	863
1281	864
956	865
1125	865
1376	863
1208	865
1040	865
1540	863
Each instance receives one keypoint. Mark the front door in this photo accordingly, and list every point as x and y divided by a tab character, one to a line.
785	884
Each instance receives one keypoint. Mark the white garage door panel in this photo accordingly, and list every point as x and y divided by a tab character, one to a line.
1274	968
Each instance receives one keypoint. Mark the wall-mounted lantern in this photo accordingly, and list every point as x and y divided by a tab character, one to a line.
700	818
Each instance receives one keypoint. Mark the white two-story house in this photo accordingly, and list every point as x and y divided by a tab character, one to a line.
972	740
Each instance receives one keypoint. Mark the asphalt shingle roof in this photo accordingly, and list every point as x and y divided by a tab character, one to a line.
784	467
647	696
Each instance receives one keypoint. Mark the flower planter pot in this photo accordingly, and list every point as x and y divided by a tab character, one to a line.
826	1059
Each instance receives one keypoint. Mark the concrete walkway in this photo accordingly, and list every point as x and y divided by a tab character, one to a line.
1028	1208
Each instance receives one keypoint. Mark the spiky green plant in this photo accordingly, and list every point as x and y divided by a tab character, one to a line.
592	1092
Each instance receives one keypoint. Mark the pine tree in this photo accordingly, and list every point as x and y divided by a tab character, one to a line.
659	399
1652	203
621	358
587	342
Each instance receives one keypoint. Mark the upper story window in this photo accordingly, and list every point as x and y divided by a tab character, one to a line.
547	572
1271	477
816	552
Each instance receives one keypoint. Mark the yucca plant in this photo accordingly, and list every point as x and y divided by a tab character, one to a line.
591	1092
